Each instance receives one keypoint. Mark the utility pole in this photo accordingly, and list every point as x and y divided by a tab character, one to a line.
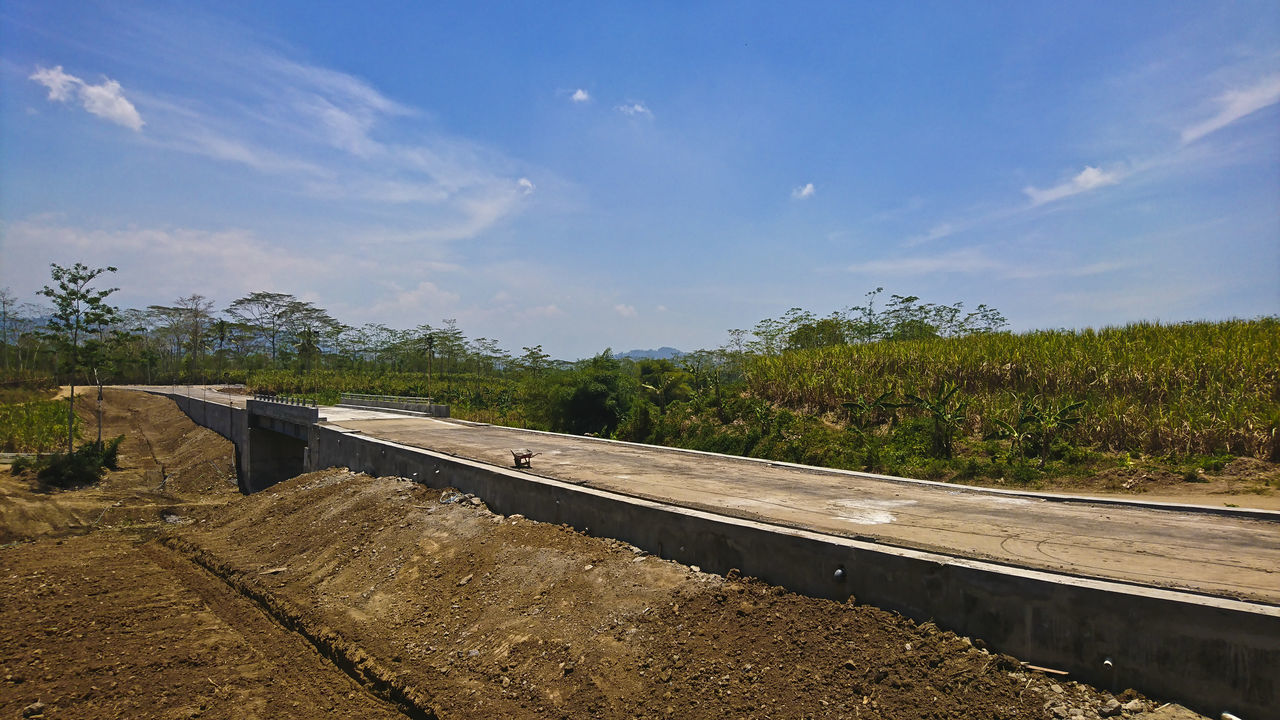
431	347
99	384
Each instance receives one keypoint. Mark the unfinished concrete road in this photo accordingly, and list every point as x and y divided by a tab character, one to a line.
1174	547
1185	549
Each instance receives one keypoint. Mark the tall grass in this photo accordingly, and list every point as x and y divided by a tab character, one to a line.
39	426
1161	389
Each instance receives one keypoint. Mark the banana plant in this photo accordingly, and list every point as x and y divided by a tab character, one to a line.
948	413
1041	423
1053	421
867	413
1022	428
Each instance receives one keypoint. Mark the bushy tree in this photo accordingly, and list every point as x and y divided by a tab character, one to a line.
592	398
80	314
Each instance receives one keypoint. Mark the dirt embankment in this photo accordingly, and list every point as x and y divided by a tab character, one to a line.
339	595
480	615
167	465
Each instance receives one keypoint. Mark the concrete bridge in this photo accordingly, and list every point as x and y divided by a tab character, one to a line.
1181	602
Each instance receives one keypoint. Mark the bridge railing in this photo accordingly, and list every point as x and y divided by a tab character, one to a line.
388	398
415	405
284	399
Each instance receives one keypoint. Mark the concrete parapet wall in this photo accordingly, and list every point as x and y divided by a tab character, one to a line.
297	414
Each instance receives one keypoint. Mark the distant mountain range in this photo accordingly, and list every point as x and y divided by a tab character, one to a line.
662	353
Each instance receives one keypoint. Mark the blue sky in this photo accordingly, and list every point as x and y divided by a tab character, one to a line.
591	175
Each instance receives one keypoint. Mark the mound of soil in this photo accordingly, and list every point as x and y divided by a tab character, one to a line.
479	615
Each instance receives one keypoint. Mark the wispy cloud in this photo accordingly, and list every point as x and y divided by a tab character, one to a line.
970	261
634	108
325	135
1236	104
1088	179
164	262
959	261
580	96
804	191
160	261
937	232
424	298
627	311
106	100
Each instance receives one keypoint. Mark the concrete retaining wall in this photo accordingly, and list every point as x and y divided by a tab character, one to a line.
230	422
1210	654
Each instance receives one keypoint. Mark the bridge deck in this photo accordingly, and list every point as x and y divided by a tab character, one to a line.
1185	549
1181	548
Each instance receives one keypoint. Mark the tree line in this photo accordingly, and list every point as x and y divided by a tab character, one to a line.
891	385
191	339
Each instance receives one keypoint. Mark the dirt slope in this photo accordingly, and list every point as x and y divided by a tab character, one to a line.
485	616
98	622
160	442
98	626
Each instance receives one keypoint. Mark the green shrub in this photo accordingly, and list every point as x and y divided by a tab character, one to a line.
971	470
37	426
936	470
1193	476
1024	474
84	466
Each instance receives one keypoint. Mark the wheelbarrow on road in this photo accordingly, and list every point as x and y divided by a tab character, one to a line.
524	457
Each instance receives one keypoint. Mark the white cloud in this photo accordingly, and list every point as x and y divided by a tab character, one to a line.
60	84
959	261
161	263
1235	104
937	232
1088	179
804	191
287	119
158	264
425	298
106	100
580	96
544	311
969	261
628	311
633	109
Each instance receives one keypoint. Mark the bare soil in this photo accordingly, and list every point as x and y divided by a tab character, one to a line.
167	463
340	595
1243	482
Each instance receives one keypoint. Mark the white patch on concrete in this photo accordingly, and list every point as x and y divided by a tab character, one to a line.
991	499
998	500
867	512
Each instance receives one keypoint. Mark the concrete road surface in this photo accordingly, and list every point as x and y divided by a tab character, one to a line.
1229	555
